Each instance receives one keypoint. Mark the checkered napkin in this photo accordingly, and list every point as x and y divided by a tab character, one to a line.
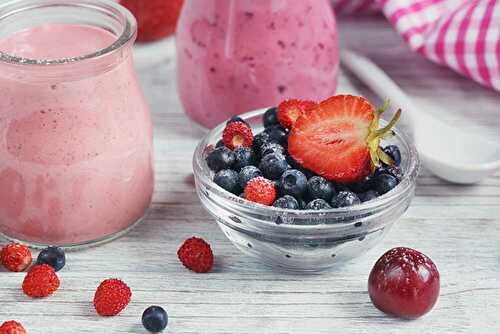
461	34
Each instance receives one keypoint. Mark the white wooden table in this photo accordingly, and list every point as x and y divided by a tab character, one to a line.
458	227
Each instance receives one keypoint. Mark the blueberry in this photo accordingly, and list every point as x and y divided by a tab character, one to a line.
345	198
243	157
363	185
220	143
278	135
384	183
236	119
287	202
228	180
53	256
220	158
155	319
319	187
391	170
259	140
273	166
270	117
271	147
368	195
246	174
318	204
293	182
394	152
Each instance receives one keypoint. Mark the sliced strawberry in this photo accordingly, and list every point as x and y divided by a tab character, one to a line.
290	110
339	139
237	134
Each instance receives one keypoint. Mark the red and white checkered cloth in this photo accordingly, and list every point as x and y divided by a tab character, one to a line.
461	34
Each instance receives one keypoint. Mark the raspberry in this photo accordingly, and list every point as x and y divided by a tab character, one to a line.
12	327
260	190
237	134
196	255
111	297
15	257
40	281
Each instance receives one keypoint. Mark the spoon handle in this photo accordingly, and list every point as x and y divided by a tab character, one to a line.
378	81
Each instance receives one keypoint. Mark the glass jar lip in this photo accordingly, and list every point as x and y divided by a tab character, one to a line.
383	202
127	36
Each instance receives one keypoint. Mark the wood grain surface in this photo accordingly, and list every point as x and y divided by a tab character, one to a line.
458	227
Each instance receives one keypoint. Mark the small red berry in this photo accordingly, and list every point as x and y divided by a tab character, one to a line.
404	283
15	257
40	281
12	327
111	297
290	110
196	255
260	190
237	134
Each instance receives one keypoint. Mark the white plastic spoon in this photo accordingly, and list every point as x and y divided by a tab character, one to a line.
446	151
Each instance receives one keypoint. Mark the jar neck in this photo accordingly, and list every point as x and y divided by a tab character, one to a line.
22	15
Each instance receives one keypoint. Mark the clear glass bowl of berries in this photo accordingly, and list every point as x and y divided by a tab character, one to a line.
306	186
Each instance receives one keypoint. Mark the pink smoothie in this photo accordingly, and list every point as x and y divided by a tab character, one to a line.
238	55
75	150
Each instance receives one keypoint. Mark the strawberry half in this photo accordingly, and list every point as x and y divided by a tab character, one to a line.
340	138
290	110
237	134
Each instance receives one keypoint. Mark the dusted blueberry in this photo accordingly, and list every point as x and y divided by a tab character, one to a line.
228	180
293	182
236	119
273	166
155	319
270	148
53	256
345	198
270	117
384	183
368	195
287	202
318	204
391	170
243	157
361	186
319	187
394	152
246	174
278	135
220	143
259	140
220	158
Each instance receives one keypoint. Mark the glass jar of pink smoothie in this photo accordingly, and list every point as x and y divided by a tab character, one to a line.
75	130
234	56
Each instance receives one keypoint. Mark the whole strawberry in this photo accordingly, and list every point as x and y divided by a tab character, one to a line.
196	255
111	297
156	18
40	281
12	327
260	190
15	257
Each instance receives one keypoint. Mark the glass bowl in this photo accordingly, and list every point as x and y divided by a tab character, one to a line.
298	240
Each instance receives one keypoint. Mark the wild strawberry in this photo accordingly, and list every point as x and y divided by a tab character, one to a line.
40	281
237	134
15	257
290	110
155	18
12	327
404	282
111	297
260	190
340	139
196	255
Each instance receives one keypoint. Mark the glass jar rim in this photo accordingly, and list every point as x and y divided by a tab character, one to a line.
126	37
